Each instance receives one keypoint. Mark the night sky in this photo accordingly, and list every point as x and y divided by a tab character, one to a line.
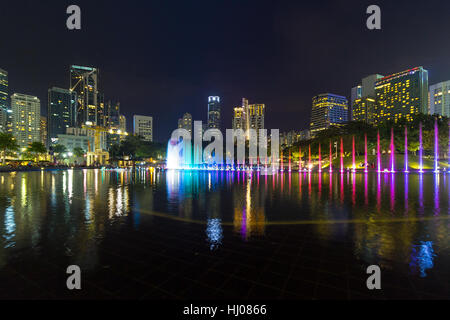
164	58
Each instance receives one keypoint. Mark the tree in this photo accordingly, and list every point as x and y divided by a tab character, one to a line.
58	150
78	152
37	148
7	143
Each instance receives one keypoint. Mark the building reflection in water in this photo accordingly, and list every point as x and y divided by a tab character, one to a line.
71	211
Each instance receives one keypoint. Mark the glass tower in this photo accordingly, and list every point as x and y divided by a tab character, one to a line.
61	112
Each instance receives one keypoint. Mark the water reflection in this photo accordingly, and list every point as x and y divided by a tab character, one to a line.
383	216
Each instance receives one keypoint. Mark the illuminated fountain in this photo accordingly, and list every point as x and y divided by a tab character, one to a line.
365	153
309	159
436	146
379	168
320	160
406	150
331	158
420	148
353	155
392	151
342	155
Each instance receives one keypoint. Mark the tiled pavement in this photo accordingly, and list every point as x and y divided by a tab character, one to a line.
172	260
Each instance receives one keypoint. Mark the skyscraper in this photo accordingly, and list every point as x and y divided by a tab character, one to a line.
122	123
440	98
112	115
401	95
43	130
61	112
143	126
3	100
328	110
186	122
239	119
26	118
84	81
363	99
213	112
256	116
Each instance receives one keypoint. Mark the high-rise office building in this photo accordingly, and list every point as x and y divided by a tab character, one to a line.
112	115
61	112
328	110
26	119
363	99
256	116
4	108
186	122
213	112
143	126
440	98
85	82
363	110
401	95
43	129
122	123
239	119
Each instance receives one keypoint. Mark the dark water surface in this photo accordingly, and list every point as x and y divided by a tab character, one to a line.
188	235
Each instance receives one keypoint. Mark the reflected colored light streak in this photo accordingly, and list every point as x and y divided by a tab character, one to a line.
353	188
422	258
406	194
366	190
379	192
421	208
437	209
392	194
214	233
342	188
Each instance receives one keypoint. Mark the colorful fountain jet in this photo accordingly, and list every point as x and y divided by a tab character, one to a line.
300	159
420	148
365	153
331	158
378	153
309	159
392	151
353	155
436	146
320	159
406	150
342	155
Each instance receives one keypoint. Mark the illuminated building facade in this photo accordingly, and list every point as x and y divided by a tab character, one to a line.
84	81
61	112
363	104
4	108
440	99
26	119
256	116
363	110
213	112
328	110
143	126
238	119
401	95
122	123
43	129
112	115
186	122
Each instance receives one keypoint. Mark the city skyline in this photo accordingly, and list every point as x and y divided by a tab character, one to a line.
281	62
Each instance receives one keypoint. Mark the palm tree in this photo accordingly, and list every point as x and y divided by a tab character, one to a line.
58	150
7	143
37	148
